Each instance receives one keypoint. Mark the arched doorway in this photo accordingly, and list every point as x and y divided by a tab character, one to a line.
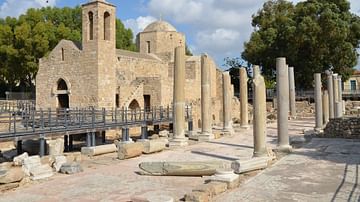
63	97
134	104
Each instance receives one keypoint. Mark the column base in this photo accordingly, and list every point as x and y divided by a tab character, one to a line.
284	148
246	127
142	140
228	131
203	137
318	130
178	142
260	154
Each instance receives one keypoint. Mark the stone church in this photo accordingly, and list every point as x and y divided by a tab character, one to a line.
97	74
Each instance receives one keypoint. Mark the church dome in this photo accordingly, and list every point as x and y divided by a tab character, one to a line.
160	26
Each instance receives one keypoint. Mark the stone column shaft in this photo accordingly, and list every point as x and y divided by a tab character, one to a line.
336	96
206	128
330	89
244	99
282	91
340	100
325	105
292	92
318	103
227	102
259	119
179	99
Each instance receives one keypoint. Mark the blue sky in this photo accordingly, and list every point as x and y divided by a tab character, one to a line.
220	34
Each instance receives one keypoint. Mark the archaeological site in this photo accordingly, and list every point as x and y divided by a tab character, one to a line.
157	123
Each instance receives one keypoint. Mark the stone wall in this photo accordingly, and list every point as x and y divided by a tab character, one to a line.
343	128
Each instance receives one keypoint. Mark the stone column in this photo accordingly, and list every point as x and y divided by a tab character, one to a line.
206	128
227	103
336	95
179	138
259	119
330	89
325	105
292	92
282	91
340	100
318	103
244	99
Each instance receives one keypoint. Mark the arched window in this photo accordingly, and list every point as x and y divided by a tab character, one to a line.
106	26
91	26
61	85
134	104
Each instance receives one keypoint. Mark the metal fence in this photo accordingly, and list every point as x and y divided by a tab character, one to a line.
29	123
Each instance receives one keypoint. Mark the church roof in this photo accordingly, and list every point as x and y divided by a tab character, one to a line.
160	26
132	54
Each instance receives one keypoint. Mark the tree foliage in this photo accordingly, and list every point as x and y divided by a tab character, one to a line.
34	34
314	35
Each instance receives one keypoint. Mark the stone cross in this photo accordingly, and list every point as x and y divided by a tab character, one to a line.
318	103
259	115
244	123
282	91
179	138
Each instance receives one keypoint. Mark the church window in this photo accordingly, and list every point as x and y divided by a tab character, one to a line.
106	26
62	54
91	26
148	46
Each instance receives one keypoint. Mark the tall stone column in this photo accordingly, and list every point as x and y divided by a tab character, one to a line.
325	105
292	92
259	119
179	99
282	91
340	108
336	95
318	103
227	103
330	89
244	123
206	128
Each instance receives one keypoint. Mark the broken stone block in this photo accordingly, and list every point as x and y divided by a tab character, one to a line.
217	187
255	163
164	133
30	163
14	174
228	177
196	168
197	197
153	146
73	156
9	186
55	147
130	150
71	168
98	150
41	172
18	160
58	162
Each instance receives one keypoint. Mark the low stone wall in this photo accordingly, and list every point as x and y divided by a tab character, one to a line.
348	127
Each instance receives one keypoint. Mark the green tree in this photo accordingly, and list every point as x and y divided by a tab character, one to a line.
34	34
313	35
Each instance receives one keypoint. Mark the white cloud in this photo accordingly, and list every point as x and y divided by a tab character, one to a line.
219	27
14	8
137	25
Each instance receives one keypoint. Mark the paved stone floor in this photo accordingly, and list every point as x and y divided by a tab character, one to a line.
321	171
